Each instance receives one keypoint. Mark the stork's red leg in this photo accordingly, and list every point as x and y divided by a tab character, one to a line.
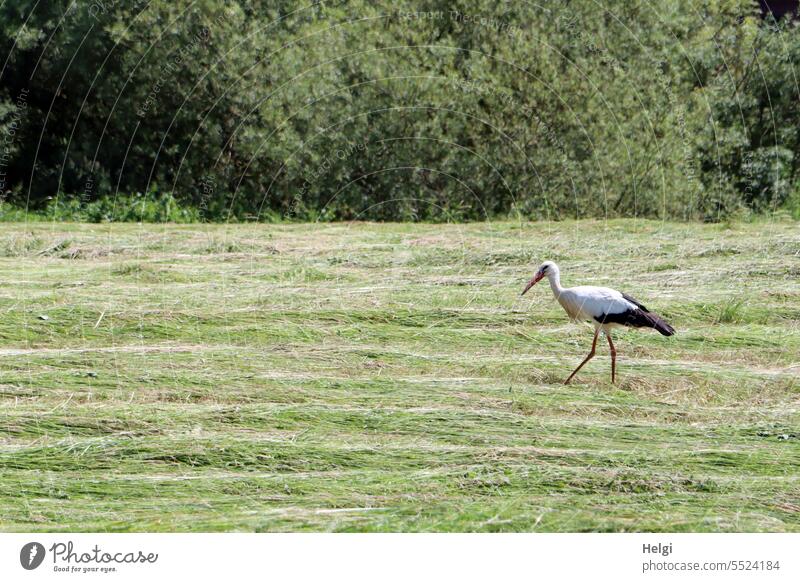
613	358
589	357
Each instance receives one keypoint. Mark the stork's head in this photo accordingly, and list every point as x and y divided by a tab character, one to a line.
548	269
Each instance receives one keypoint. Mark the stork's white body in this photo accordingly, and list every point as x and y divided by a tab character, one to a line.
588	303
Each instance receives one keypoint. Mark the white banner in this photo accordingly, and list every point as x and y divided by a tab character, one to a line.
379	557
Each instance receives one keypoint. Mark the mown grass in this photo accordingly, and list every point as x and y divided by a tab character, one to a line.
361	377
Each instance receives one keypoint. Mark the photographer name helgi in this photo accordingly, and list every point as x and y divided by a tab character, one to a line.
66	558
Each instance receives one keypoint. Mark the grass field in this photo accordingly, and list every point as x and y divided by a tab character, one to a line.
362	377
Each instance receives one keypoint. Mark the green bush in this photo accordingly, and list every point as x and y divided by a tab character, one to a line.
152	207
431	110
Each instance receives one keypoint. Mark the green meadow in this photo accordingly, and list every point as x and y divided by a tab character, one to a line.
388	377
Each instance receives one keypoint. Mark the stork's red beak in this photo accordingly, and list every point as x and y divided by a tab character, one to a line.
532	282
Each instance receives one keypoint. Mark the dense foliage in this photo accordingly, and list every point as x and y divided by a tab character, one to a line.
434	109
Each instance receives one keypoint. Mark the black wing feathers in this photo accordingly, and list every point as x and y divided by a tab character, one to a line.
641	317
636	303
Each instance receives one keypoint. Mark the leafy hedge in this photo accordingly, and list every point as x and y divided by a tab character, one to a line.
425	110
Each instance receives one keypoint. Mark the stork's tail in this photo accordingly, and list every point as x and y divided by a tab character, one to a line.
658	324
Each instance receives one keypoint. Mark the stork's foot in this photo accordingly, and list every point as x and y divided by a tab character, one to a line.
589	357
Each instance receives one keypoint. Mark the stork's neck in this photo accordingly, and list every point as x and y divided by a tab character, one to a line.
555	284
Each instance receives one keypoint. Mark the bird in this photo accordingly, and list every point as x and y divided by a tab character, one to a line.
605	308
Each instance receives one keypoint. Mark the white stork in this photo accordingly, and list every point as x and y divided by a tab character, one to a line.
605	308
